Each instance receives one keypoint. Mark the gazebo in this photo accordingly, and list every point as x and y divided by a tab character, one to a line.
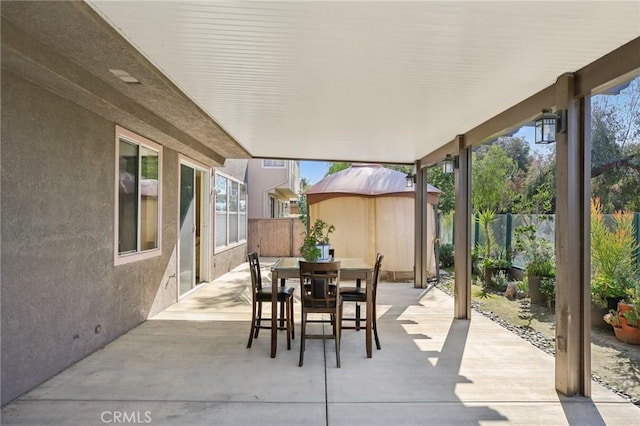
373	211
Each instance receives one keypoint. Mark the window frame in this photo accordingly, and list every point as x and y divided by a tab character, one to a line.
242	216
271	166
122	134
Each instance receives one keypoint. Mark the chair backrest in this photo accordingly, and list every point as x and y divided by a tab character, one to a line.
376	272
324	283
254	267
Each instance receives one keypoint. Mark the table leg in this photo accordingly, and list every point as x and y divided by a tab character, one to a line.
274	313
282	283
358	285
369	313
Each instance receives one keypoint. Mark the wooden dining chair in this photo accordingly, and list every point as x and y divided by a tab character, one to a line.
262	295
358	295
320	296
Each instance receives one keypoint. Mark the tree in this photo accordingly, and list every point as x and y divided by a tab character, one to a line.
615	149
444	182
303	207
537	194
491	180
516	148
337	166
304	183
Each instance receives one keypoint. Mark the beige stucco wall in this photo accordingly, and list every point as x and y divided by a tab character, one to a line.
369	225
62	296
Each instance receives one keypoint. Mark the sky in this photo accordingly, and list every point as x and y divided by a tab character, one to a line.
313	171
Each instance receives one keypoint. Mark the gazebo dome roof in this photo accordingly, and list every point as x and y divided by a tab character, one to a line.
363	179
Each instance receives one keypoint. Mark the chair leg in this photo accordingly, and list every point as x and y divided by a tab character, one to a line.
358	316
302	337
282	314
288	322
253	325
374	318
258	319
337	333
293	330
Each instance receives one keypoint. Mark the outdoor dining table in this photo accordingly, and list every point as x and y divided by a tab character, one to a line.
350	269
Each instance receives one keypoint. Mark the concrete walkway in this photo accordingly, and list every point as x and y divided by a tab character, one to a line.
190	366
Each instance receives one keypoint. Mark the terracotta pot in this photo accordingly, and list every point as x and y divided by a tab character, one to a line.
597	312
624	307
627	334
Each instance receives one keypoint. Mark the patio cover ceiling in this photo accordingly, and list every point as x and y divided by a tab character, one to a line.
367	81
358	81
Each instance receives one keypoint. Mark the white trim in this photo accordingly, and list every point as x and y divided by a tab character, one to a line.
123	134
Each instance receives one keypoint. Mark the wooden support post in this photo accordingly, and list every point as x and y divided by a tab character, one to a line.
462	231
420	231
573	162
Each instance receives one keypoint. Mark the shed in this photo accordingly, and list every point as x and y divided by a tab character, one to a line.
373	211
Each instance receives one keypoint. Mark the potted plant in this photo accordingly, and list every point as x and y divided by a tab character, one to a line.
548	289
540	262
316	241
492	266
626	319
613	271
492	261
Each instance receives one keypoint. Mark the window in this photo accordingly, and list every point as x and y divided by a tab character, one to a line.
138	201
273	164
231	212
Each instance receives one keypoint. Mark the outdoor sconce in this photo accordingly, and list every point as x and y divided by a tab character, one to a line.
411	179
547	125
449	164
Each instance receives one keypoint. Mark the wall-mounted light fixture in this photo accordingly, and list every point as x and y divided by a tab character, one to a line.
548	124
411	179
449	164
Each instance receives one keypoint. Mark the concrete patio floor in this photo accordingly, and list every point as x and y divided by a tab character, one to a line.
189	366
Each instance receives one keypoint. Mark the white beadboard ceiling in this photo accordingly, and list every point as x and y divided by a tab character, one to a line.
365	81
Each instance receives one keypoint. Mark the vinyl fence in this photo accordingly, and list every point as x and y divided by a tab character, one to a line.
504	235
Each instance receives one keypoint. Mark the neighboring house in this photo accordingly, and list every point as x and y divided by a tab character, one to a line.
272	186
107	213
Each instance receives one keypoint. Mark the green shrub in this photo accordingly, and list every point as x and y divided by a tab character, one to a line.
523	286
613	272
548	289
446	255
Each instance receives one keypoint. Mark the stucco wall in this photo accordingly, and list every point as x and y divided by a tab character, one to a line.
62	297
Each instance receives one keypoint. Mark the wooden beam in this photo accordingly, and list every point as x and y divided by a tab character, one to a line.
619	66
511	118
438	155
